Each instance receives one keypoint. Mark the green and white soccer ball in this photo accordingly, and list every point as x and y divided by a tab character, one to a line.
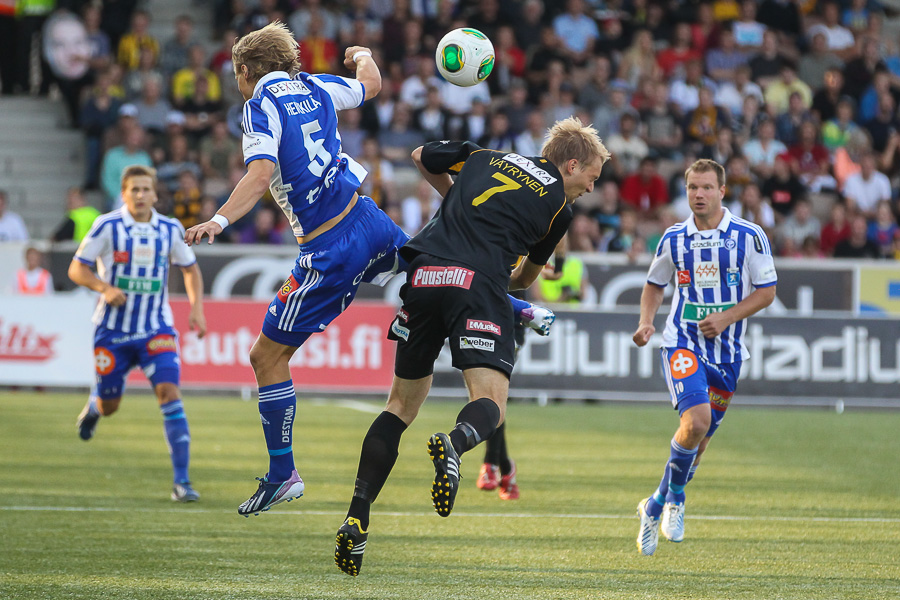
465	57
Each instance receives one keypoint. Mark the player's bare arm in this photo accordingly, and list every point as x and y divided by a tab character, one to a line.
525	274
651	300
246	193
193	285
716	323
83	275
441	182
367	72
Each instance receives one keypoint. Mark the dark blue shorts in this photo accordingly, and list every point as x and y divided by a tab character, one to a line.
692	380
116	353
361	248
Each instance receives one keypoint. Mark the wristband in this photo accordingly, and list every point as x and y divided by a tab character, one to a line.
221	220
359	53
558	263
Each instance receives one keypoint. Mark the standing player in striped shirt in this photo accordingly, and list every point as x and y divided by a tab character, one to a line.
132	248
724	273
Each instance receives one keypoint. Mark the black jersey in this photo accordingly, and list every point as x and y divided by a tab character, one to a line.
502	207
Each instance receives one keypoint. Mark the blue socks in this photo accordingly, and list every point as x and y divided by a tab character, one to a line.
671	488
178	437
277	405
518	306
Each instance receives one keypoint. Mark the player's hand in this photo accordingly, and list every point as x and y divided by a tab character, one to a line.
196	233
114	296
550	274
714	324
643	334
348	56
197	322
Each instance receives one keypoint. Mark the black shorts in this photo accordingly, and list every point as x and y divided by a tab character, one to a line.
444	300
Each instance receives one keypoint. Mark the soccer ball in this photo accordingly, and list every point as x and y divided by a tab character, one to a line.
465	57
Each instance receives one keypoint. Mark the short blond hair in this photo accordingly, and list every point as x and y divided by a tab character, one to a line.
705	165
138	171
272	48
570	138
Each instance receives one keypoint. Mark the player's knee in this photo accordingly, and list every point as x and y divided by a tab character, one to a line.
167	392
108	407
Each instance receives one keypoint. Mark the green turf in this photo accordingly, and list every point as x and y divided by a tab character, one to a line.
793	488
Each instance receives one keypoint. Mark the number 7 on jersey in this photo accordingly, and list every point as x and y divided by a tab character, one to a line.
508	184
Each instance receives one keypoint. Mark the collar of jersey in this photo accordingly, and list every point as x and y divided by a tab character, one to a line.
128	220
722	226
267	78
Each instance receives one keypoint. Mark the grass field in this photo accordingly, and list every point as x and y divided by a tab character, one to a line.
788	504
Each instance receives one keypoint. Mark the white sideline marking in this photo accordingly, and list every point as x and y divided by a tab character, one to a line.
352	405
455	514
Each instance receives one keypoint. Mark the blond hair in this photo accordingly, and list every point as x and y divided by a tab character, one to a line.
272	48
570	138
705	165
138	171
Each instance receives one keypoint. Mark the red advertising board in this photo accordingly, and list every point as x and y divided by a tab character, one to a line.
352	354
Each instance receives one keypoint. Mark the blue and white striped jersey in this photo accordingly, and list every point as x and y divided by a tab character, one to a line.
293	123
135	257
713	271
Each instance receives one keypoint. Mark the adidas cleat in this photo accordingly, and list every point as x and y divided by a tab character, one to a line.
271	493
538	318
349	546
672	523
509	489
87	422
488	477
183	492
446	473
648	536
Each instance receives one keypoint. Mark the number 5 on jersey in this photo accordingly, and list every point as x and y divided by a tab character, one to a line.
508	184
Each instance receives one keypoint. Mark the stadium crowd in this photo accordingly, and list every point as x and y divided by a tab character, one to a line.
797	98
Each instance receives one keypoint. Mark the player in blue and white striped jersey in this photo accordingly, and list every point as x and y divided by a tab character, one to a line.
724	272
131	248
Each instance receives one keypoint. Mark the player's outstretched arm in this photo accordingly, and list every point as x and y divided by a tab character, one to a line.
442	182
83	275
651	300
193	285
246	193
716	323
526	273
359	59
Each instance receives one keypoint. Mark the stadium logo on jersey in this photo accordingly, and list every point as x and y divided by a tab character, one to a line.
683	363
705	244
698	312
290	284
161	344
485	326
24	343
733	277
443	277
730	244
526	165
684	278
706	275
287	88
104	361
474	343
121	257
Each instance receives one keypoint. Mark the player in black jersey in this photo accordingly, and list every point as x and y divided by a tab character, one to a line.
498	225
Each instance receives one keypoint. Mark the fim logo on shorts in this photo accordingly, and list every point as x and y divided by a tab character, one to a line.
474	343
442	277
484	326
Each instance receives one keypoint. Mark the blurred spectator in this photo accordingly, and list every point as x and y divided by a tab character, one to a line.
200	111
220	63
667	218
562	103
79	217
836	230
752	207
860	72
748	32
131	152
547	51
824	105
810	248
300	18
416	210
134	80
702	125
596	89
722	62
787	124
318	53
33	279
868	103
135	40
684	94
570	286
101	48
838	132
263	229
12	227
814	63
725	147
608	115
884	125
779	91
184	81
528	23
839	39
765	65
530	142
627	235
510	60
626	147
783	188
498	136
517	109
379	183
794	229
352	135
8	64
639	60
152	108
855	17
578	32
177	160
607	212
584	234
706	31
738	176
174	55
645	190
782	15
810	160
680	52
883	228
762	150
400	137
98	113
732	95
187	199
459	100
414	89
864	190
660	128
857	244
